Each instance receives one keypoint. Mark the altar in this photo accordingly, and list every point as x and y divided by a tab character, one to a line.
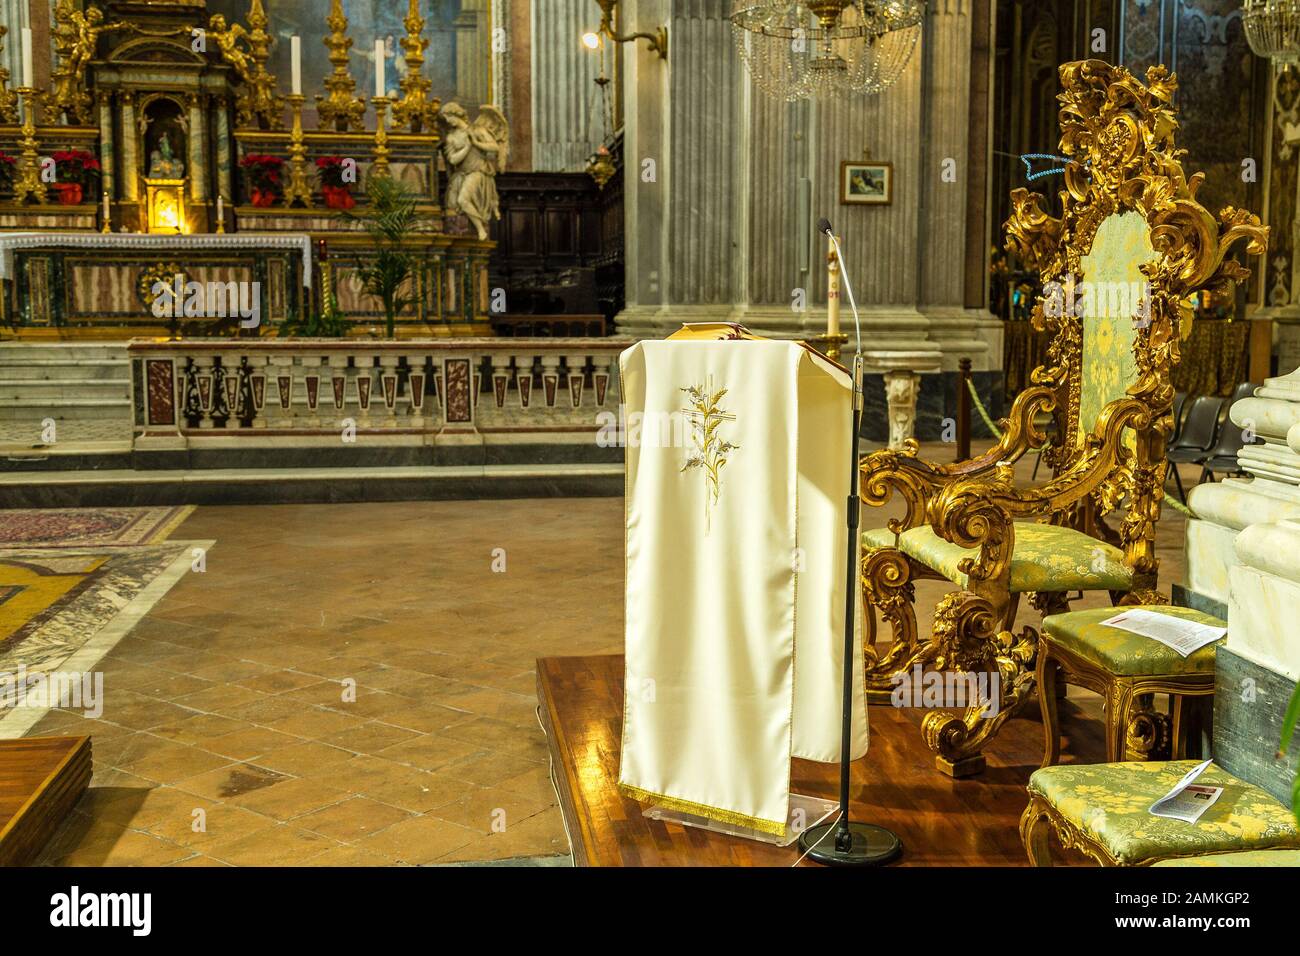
165	146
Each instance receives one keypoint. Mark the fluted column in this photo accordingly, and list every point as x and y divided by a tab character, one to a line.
946	166
473	51
130	148
567	125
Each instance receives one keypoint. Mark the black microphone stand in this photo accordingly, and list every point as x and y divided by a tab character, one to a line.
853	844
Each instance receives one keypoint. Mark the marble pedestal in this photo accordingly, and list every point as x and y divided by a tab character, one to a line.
1272	494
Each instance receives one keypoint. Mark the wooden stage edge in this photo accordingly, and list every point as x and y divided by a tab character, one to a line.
41	780
941	821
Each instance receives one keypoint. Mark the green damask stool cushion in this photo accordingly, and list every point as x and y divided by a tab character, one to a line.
1125	654
1244	858
1108	802
1046	558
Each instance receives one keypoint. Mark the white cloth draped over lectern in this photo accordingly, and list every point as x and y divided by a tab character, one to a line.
738	453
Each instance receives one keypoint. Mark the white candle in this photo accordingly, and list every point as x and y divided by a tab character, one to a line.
381	88
295	46
106	213
221	208
29	80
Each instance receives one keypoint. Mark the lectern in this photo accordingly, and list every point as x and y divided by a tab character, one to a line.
735	603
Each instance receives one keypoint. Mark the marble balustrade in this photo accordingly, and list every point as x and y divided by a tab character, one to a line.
187	393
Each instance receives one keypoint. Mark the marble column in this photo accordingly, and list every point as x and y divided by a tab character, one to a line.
566	107
473	52
725	185
130	148
108	148
225	189
946	166
198	150
1224	509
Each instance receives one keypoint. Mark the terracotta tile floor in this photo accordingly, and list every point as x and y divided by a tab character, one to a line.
354	685
347	685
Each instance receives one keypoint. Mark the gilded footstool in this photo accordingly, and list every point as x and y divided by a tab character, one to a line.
1102	810
1125	669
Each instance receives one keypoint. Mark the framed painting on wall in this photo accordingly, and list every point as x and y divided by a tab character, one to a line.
866	183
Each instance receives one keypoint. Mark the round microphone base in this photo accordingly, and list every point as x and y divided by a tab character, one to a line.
865	844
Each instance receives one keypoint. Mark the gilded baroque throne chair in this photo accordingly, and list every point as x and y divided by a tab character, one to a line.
1131	245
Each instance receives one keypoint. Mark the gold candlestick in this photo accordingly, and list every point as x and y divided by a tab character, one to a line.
106	205
299	187
28	185
379	167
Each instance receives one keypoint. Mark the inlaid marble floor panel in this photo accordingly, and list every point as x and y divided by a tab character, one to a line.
353	684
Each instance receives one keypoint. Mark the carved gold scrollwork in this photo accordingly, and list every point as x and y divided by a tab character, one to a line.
1118	135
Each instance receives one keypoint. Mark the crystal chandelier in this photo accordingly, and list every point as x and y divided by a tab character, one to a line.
1273	29
797	49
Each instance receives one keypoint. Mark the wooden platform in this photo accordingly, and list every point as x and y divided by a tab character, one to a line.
942	822
41	779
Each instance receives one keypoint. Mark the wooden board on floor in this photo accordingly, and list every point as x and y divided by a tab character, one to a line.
41	779
942	822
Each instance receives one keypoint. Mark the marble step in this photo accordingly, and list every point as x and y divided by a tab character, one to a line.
19	353
64	409
59	370
12	390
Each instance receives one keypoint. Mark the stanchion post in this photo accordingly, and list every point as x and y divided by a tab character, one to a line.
963	410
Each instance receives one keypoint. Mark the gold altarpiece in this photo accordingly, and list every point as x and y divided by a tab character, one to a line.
170	98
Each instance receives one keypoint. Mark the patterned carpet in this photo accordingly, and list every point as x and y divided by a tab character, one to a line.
73	582
89	527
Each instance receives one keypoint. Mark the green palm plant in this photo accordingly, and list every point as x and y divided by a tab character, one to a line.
390	217
1288	728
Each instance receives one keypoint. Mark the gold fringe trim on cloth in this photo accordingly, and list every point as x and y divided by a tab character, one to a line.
699	809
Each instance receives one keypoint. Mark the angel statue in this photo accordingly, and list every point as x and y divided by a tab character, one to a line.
76	39
475	152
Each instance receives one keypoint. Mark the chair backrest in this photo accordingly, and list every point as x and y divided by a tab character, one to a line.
1202	423
1250	704
1118	266
1180	406
1244	390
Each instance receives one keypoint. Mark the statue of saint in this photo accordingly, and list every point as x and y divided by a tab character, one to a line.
163	164
474	153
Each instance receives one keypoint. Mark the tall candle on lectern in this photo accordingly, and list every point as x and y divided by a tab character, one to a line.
381	88
832	289
28	74
295	47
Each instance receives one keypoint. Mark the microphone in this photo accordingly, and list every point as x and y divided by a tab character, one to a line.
824	227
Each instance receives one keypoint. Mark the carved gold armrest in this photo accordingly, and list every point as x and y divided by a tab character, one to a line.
918	481
980	512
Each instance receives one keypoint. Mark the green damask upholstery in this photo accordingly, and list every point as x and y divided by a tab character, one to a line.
1125	654
1244	858
1108	802
1046	558
1113	283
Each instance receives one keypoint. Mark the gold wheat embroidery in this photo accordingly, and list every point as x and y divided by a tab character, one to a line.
706	416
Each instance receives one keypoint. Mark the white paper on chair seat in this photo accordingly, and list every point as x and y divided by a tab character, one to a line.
1185	637
735	561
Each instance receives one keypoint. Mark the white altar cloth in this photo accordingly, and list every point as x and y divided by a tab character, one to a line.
131	241
737	479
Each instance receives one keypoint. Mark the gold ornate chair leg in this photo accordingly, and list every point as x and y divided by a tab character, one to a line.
964	633
1145	731
888	588
1046	674
1119	701
1034	830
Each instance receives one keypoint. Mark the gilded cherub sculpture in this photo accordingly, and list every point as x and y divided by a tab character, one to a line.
77	37
256	103
474	154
